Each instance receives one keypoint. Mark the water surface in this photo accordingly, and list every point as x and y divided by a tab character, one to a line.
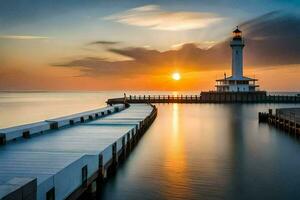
192	151
210	151
17	108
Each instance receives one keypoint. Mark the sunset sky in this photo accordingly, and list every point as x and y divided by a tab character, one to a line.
139	44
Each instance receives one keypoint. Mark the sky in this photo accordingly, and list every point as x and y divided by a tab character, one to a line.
138	44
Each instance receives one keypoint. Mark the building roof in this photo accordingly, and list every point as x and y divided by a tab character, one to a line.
231	78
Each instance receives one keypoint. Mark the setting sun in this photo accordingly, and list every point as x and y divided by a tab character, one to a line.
176	76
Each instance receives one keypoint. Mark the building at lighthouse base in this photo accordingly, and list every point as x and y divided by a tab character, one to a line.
232	84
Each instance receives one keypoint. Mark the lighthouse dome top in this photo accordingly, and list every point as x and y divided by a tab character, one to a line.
237	34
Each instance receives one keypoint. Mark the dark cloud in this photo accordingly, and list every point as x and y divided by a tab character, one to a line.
272	39
103	42
144	61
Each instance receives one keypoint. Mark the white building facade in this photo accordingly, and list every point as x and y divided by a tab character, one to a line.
237	82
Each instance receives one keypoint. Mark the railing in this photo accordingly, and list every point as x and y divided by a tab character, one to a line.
289	114
163	97
287	119
209	97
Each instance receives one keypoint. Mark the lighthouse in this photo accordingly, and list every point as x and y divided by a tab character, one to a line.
237	46
237	82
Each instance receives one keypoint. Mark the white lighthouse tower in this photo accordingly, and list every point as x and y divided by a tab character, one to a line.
237	45
237	82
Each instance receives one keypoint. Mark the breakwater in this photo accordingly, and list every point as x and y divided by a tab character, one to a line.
209	97
69	157
287	119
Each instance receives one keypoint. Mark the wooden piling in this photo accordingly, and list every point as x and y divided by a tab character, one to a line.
2	139
283	119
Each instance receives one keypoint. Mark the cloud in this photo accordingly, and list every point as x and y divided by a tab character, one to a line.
202	45
23	37
103	42
152	16
145	61
271	40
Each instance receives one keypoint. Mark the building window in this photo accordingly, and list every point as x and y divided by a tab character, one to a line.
236	52
50	195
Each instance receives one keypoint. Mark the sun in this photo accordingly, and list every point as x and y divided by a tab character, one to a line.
176	76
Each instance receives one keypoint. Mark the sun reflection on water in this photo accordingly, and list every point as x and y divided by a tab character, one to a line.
175	161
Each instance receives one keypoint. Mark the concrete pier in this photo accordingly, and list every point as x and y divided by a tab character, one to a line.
71	160
27	130
287	119
209	97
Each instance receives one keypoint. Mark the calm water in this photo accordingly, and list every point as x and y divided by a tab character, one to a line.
192	151
210	151
18	108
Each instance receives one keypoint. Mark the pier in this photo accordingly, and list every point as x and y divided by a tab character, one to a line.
69	157
287	119
209	97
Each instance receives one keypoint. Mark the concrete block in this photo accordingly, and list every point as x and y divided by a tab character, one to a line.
19	188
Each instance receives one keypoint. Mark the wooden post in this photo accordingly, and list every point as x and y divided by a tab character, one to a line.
26	134
2	139
270	112
128	146
295	124
132	141
92	190
114	155
100	178
123	154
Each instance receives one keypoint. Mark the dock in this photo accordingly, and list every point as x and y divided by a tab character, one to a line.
69	157
209	97
286	119
27	130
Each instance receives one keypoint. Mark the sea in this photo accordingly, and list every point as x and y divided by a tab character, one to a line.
191	151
